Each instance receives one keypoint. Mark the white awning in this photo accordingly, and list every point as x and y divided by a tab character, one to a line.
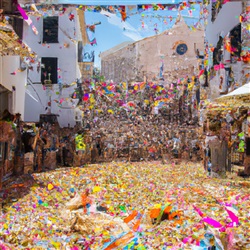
243	90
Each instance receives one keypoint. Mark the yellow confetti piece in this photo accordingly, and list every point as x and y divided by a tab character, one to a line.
110	111
157	206
52	220
96	189
50	186
57	245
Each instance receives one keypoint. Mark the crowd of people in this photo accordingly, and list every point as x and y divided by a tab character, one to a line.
138	136
138	127
145	121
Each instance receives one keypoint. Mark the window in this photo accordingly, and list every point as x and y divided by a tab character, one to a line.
50	29
49	69
181	49
235	36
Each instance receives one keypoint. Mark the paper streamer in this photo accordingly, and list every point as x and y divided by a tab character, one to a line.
27	19
232	216
199	211
24	15
218	67
212	222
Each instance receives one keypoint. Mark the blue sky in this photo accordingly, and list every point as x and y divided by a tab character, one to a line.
113	31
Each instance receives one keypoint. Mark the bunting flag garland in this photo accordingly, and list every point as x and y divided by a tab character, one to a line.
122	10
86	97
93	42
219	66
91	28
162	93
124	99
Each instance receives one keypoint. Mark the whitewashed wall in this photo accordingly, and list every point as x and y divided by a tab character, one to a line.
68	69
14	80
227	19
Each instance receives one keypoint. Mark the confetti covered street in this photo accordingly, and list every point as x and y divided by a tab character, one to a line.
125	206
124	125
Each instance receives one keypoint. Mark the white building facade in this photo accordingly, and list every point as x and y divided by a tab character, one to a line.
230	70
12	82
52	78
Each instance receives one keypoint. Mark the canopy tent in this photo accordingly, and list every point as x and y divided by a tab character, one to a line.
243	90
238	97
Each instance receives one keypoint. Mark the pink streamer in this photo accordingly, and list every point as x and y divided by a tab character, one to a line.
237	197
230	245
201	72
187	239
218	67
199	211
229	225
24	15
233	217
3	246
22	12
246	197
212	222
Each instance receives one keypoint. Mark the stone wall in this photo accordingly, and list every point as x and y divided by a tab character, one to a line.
143	59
